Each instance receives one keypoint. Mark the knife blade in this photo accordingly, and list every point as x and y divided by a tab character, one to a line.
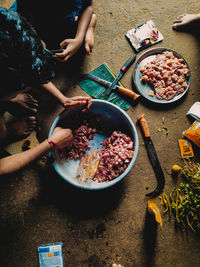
53	52
107	84
123	70
152	157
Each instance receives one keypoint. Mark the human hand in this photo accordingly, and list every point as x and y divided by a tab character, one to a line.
70	47
62	137
77	101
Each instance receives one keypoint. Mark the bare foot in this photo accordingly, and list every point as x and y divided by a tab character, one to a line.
22	104
116	265
185	20
89	37
20	129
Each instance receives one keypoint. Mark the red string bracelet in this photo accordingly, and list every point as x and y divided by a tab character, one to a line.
52	144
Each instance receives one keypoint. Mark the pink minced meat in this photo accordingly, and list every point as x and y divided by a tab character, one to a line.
80	144
115	156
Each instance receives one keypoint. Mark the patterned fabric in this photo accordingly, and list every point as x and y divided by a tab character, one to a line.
23	59
53	20
77	5
71	8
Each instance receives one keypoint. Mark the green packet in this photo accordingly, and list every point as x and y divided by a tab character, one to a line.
51	255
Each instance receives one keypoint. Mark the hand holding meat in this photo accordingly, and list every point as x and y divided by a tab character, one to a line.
77	101
62	137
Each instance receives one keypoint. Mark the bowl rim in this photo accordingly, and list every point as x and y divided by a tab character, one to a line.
121	176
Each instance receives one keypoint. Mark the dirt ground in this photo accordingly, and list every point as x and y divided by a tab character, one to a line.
99	228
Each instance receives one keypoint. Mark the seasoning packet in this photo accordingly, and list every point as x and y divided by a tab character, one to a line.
194	111
51	255
144	36
193	133
185	148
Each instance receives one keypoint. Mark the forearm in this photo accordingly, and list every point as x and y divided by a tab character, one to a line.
84	21
16	162
53	90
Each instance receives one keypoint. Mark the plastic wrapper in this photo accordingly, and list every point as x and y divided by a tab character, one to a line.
51	255
88	166
144	36
194	111
193	133
185	148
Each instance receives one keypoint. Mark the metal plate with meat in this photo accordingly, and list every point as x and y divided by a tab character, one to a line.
161	75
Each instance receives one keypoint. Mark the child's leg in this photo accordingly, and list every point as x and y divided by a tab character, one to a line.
89	37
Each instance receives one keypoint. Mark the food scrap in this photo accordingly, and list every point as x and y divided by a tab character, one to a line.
163	129
153	209
167	74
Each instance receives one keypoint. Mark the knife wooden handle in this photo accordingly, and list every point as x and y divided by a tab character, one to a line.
128	92
144	125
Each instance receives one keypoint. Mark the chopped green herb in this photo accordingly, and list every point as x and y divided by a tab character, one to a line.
184	200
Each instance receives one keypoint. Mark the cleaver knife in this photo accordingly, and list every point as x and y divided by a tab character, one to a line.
107	84
152	157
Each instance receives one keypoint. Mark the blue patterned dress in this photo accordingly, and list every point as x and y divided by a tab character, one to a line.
23	59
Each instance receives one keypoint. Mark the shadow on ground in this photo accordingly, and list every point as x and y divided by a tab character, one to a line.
77	203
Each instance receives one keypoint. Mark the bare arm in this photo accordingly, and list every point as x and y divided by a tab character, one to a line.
16	162
53	90
10	164
71	46
66	102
